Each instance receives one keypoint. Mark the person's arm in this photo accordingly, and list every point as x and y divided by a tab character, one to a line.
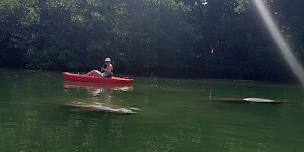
102	68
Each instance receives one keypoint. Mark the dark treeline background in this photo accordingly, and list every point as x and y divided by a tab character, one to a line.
181	38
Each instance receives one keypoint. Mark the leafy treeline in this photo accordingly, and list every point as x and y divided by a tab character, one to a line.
184	38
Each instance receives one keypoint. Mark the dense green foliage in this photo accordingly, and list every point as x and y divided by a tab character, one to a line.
185	38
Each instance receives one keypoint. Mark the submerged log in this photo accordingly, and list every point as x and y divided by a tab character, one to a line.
248	100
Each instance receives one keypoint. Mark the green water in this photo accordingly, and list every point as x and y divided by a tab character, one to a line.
175	115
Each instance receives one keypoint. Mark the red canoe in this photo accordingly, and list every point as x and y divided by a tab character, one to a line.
84	78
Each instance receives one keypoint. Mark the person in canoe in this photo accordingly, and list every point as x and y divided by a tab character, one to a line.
106	70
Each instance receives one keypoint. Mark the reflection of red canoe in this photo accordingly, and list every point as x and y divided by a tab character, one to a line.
93	79
92	86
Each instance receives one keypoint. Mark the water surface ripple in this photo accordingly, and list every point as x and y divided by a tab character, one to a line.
173	115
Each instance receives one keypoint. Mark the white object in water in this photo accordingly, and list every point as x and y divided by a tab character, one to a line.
100	107
258	100
136	109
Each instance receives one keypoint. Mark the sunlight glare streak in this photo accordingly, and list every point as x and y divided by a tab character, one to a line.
284	48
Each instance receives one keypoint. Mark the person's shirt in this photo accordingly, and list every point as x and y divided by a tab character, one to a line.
109	69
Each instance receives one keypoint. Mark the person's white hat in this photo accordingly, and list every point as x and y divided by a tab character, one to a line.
107	60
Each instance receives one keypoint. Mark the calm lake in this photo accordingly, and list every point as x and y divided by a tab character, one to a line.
41	112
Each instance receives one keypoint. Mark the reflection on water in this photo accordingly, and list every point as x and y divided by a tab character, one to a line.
104	104
96	88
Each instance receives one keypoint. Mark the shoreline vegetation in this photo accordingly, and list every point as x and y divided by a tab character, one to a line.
214	39
213	80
